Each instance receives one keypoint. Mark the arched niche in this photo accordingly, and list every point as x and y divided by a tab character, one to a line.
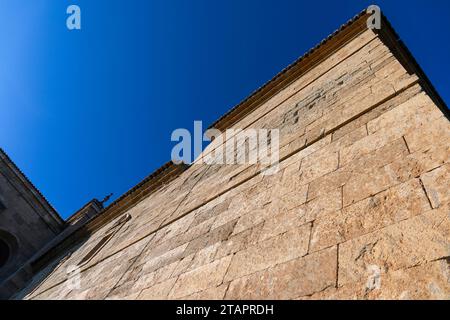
8	248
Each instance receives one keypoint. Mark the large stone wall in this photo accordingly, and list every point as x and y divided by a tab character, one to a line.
359	208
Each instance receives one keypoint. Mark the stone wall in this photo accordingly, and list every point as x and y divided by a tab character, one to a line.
27	221
358	209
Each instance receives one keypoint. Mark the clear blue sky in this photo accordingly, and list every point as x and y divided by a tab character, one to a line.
85	113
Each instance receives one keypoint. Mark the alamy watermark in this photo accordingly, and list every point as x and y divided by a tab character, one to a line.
73	21
374	278
374	21
73	281
234	146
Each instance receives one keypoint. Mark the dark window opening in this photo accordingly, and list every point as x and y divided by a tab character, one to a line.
2	206
4	253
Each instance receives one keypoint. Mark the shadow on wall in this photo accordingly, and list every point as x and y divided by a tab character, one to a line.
33	276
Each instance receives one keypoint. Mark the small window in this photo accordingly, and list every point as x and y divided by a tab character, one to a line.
2	206
109	234
5	253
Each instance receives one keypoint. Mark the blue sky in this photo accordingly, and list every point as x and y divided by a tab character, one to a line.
89	112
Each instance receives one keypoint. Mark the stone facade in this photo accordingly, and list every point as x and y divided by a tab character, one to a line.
359	207
27	220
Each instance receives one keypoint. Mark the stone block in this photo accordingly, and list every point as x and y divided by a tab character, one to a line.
239	241
423	282
412	242
214	293
430	134
313	168
322	205
255	217
158	291
207	276
298	277
391	206
214	236
265	254
282	222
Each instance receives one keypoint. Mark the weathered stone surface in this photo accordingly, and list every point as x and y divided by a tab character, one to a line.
323	205
303	276
282	222
418	163
428	281
202	278
413	113
166	258
353	176
390	126
158	291
204	256
287	246
409	243
429	134
437	185
145	280
396	204
206	214
313	148
193	233
176	228
230	216
254	218
361	121
290	200
313	168
374	178
362	186
335	180
215	293
183	265
239	241
216	235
